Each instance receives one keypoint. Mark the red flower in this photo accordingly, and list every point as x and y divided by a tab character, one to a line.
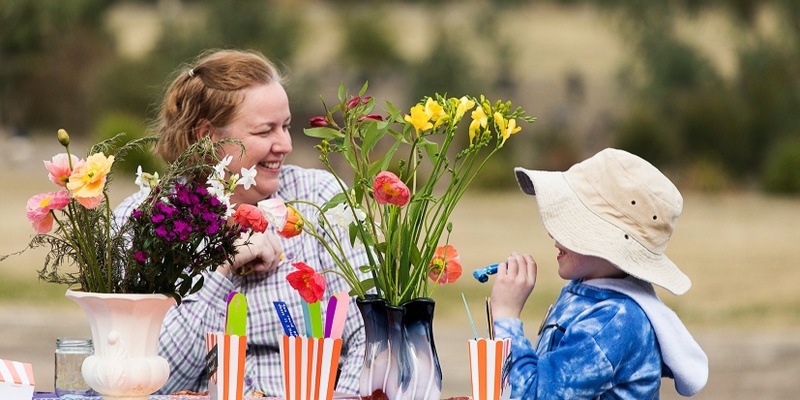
249	216
446	265
293	225
309	283
318	121
375	117
388	188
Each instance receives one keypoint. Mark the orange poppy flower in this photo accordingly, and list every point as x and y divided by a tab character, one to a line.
293	225
445	266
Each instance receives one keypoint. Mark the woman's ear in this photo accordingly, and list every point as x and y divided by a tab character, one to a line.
203	129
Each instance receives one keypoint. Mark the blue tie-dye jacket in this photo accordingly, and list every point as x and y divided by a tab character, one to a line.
594	343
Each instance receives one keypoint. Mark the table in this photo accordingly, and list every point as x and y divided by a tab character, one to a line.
52	396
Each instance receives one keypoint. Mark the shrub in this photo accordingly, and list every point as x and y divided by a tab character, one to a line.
782	168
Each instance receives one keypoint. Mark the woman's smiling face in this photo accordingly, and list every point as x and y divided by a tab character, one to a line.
262	125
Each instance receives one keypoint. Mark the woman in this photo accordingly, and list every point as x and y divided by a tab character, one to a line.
239	95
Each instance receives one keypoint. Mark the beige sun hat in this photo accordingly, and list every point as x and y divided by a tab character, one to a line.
615	206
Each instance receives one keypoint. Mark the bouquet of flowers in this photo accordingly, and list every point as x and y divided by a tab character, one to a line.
408	175
184	226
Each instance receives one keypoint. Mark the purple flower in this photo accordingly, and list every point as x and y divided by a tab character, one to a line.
137	213
157	218
161	231
166	209
183	197
183	229
140	256
212	228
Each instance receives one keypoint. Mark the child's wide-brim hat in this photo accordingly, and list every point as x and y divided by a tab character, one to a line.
615	206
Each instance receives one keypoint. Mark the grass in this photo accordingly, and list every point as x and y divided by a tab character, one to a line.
31	292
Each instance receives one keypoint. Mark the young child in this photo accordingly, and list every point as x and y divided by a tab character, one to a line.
608	335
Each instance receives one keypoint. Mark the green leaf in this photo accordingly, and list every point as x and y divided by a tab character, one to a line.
340	92
353	231
363	88
334	201
383	163
365	286
185	285
372	136
323	132
431	148
198	285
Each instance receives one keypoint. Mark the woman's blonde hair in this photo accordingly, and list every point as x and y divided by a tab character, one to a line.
211	89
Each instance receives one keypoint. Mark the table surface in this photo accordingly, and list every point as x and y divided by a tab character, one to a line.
52	396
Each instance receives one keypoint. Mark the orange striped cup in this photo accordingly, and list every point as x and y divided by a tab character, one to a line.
486	361
309	367
227	383
16	380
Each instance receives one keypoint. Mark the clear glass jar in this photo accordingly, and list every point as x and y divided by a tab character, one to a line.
70	353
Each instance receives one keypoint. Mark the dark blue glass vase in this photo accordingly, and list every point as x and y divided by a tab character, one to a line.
400	360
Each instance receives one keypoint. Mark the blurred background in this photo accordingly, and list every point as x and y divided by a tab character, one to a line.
707	90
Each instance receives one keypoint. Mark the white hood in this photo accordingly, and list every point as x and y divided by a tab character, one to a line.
685	359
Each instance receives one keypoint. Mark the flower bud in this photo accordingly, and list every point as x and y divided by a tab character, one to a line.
63	137
375	117
318	121
353	102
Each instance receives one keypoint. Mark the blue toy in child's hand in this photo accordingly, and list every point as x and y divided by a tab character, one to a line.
482	274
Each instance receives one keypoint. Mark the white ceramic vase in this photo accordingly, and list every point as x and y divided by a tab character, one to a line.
125	330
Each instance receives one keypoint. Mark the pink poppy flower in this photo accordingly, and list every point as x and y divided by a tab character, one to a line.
445	266
58	168
309	283
39	207
274	211
388	188
249	216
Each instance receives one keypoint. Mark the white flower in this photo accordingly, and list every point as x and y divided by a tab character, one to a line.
274	211
145	180
248	177
220	168
231	208
216	187
341	216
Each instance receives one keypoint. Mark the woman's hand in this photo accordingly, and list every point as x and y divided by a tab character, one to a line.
261	254
513	284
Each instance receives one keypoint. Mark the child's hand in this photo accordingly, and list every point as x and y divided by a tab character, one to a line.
513	284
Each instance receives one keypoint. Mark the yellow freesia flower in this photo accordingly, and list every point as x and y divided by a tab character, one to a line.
500	121
88	181
464	105
435	112
510	129
419	118
479	120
